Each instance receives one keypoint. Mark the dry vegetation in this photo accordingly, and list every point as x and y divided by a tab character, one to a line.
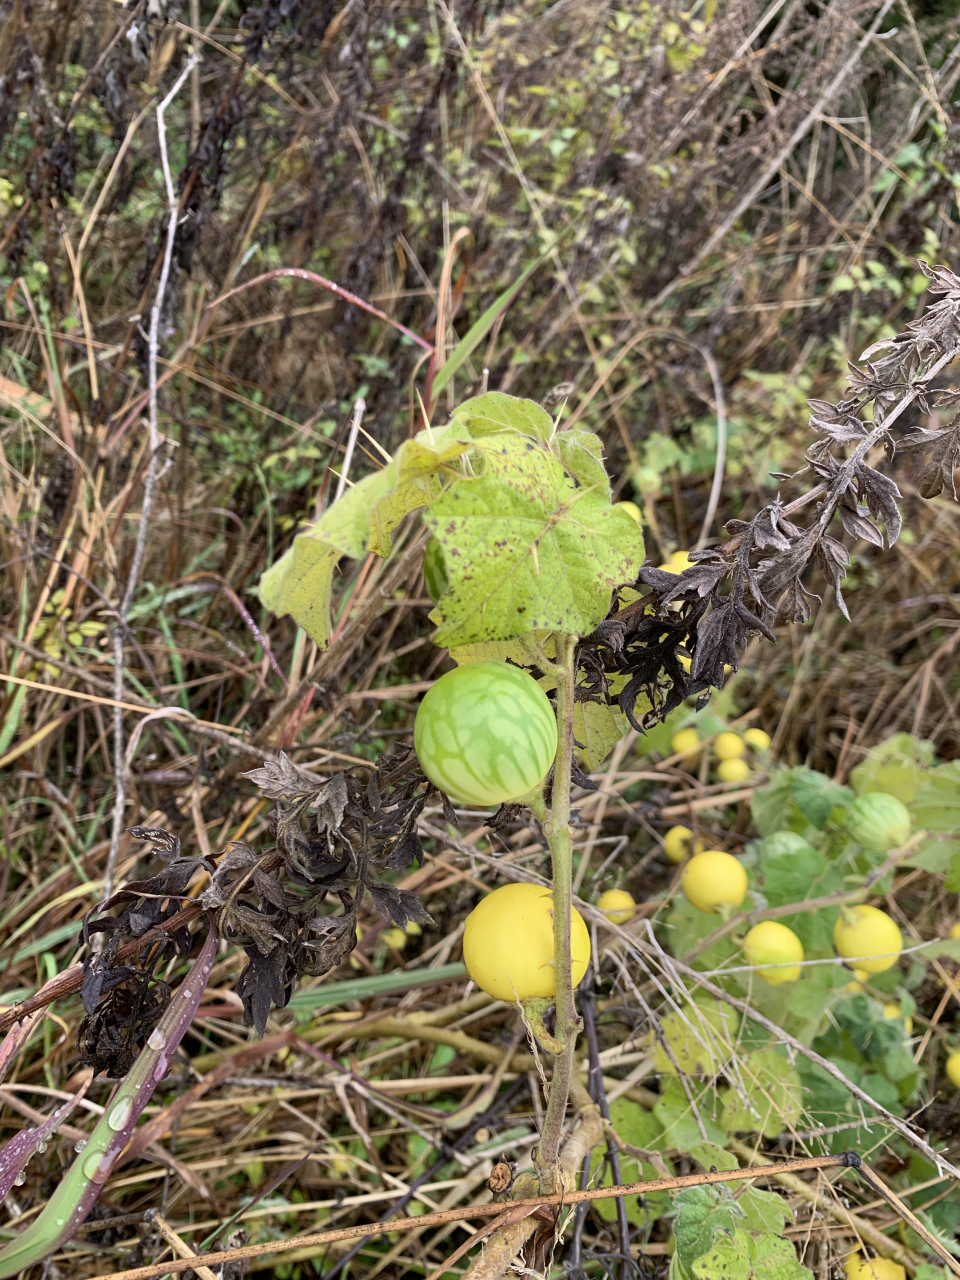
730	202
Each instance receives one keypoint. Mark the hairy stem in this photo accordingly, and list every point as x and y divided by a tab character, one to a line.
559	838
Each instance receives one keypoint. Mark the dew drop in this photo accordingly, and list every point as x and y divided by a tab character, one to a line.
78	1146
41	1148
155	1039
186	993
97	1167
20	1179
119	1114
160	1070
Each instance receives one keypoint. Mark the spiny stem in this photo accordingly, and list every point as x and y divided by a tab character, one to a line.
559	838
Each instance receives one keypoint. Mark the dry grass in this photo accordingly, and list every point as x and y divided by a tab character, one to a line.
342	148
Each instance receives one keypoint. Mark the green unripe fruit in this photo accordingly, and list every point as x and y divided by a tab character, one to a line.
434	570
783	844
486	733
878	821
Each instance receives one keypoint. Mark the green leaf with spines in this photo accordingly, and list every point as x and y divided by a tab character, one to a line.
742	1256
526	549
301	581
703	1214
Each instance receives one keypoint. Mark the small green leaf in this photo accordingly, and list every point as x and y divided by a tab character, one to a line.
495	412
704	1213
764	1211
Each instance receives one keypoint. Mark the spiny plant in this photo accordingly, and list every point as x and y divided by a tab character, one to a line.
541	570
538	570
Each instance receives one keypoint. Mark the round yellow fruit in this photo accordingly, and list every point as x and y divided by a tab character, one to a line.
770	943
508	943
857	1267
733	771
729	746
617	905
677	563
757	739
861	975
955	931
679	843
395	938
630	508
869	936
953	1068
412	929
714	879
685	742
891	1012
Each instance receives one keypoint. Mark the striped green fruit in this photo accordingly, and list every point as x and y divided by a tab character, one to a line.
486	733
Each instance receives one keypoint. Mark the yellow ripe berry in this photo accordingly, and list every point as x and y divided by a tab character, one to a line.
685	742
677	563
733	771
679	843
394	938
853	988
891	1012
869	936
953	1068
412	929
617	905
757	739
857	1267
768	943
729	746
714	879
861	975
630	508
955	931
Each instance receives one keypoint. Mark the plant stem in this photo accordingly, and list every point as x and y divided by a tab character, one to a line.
560	840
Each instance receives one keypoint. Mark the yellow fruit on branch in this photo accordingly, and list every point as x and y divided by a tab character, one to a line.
771	943
953	1068
869	936
617	905
679	843
892	1011
630	508
508	943
714	879
685	742
733	770
757	739
729	746
857	1267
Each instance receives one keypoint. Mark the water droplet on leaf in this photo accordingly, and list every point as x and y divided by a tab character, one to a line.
155	1039
20	1179
119	1114
78	1146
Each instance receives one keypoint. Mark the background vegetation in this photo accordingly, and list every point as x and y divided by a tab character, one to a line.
729	203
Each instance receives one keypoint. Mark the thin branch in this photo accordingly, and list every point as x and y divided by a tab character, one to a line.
847	1159
148	491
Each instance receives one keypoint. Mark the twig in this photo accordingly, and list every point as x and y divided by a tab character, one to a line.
847	1159
148	491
